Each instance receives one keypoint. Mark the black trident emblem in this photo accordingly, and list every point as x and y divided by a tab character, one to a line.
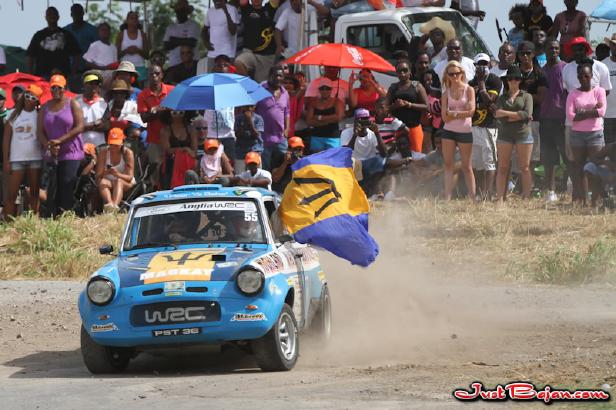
184	258
330	190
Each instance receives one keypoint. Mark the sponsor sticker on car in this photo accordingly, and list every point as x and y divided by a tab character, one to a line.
248	317
107	327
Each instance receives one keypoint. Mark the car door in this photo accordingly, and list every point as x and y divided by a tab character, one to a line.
294	252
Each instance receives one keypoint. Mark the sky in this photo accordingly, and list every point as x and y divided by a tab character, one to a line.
19	26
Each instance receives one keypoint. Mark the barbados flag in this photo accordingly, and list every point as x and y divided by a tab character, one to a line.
323	205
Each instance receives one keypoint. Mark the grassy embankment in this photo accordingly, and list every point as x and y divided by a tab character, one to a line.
522	241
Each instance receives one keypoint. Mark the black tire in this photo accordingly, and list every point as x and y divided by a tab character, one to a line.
268	350
102	359
321	327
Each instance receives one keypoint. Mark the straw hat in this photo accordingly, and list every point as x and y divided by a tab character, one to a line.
436	22
127	67
610	40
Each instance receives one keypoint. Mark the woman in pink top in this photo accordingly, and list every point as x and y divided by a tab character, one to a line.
585	110
458	107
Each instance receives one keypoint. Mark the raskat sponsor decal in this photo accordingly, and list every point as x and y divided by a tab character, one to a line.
248	317
525	391
107	327
180	266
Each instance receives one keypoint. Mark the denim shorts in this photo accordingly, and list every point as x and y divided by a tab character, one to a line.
587	138
601	171
372	166
506	139
23	165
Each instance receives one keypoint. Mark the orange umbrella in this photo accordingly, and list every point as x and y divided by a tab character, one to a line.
340	55
9	81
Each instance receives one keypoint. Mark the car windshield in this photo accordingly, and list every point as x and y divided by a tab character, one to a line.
196	222
472	44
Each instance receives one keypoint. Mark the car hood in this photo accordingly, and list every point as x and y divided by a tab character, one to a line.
194	264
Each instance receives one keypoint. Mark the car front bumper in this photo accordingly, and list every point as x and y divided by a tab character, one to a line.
240	318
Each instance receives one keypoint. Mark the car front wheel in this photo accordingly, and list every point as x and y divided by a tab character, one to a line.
102	359
278	349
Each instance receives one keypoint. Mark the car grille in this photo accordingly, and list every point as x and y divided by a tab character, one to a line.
168	313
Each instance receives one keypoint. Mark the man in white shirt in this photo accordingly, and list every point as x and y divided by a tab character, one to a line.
581	50
220	31
254	174
183	33
609	125
454	52
340	88
102	55
287	29
367	146
93	107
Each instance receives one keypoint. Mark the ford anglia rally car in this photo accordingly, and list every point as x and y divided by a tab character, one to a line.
204	264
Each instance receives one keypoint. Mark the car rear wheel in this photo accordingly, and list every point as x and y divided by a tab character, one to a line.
321	327
102	359
278	350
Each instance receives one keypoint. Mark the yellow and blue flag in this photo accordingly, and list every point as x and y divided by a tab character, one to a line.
324	205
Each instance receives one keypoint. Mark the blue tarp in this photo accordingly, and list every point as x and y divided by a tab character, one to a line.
606	10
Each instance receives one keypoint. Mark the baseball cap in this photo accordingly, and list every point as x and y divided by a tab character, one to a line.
92	75
482	57
362	113
578	41
296	142
210	143
115	136
57	81
35	90
253	158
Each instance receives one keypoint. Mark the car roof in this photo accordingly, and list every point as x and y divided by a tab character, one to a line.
204	191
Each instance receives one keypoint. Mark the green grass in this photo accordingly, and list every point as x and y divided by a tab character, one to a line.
67	247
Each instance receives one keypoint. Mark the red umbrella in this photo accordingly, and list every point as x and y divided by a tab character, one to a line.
9	81
340	55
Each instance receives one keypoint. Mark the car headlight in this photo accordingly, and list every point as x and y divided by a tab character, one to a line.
250	282
100	290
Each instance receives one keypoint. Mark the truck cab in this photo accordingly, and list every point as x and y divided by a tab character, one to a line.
387	31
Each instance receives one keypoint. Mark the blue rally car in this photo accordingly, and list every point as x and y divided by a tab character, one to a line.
204	264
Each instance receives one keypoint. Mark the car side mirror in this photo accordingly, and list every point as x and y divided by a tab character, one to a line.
285	238
105	249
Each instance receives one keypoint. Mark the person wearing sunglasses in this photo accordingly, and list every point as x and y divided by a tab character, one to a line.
513	110
60	124
179	146
458	107
22	150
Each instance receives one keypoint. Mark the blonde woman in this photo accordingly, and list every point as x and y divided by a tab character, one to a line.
458	107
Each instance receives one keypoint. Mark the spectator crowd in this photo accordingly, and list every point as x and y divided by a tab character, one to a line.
538	116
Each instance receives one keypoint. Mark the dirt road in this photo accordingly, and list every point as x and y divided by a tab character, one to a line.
407	332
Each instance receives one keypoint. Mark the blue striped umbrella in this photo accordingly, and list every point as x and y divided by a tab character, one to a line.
215	91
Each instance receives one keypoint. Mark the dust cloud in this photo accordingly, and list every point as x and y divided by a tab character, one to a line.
401	309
